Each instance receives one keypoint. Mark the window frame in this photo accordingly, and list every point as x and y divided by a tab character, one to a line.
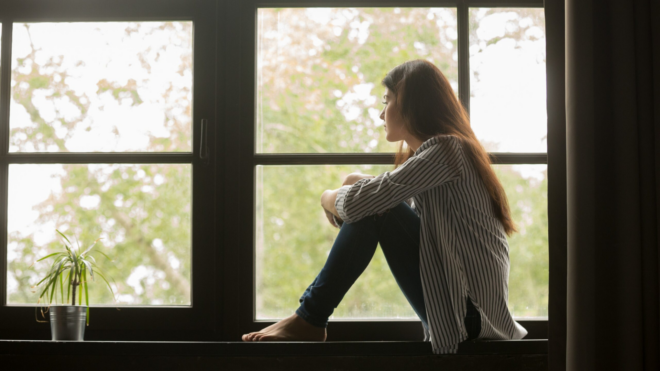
131	322
248	159
223	232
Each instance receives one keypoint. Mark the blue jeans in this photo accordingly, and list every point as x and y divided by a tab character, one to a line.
397	230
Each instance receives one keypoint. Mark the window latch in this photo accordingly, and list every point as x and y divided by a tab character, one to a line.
204	143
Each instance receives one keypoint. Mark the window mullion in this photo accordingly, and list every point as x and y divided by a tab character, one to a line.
5	83
100	158
463	14
497	158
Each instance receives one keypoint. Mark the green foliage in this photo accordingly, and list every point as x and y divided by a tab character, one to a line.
78	265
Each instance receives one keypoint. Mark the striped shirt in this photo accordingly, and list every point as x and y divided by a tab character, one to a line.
463	246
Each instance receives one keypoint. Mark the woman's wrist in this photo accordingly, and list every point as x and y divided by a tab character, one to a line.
328	199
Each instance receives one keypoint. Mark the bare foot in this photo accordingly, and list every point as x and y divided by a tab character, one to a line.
292	328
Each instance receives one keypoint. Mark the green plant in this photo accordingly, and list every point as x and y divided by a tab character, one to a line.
76	265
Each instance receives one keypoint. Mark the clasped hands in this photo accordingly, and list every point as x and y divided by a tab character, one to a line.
329	196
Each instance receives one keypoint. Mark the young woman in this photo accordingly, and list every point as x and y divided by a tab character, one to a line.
441	217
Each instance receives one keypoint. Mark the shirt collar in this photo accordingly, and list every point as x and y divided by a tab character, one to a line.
429	142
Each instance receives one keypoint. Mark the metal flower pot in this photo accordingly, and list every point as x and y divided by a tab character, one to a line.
67	322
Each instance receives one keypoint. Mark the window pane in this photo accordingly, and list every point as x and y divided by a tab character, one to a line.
526	187
319	72
141	212
293	239
101	87
507	79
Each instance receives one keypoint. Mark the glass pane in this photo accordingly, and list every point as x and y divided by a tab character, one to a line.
319	72
293	239
141	212
526	187
101	87
507	79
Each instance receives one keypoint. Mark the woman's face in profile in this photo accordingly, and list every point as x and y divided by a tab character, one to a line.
391	114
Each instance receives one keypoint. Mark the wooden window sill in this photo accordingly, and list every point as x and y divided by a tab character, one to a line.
281	349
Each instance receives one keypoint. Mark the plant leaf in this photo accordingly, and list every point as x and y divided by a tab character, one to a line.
49	276
68	288
102	253
45	278
61	234
89	266
69	251
52	289
44	290
80	287
87	300
100	274
90	248
75	260
54	281
50	280
62	288
49	255
77	242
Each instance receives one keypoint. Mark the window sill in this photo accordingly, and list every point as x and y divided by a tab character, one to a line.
280	349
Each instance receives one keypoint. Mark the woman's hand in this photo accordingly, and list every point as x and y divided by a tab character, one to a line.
329	197
329	216
354	177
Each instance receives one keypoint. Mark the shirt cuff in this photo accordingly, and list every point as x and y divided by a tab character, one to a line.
340	201
338	224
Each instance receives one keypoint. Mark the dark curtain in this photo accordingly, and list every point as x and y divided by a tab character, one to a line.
613	181
555	27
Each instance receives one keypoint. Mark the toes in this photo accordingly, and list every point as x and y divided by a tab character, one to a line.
249	337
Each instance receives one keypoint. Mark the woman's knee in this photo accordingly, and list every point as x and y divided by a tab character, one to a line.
400	219
401	207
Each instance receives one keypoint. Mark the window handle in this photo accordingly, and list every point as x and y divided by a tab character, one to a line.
204	143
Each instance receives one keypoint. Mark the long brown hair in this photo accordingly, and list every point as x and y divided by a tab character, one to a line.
430	108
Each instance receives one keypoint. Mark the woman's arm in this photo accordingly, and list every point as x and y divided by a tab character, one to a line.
329	196
430	168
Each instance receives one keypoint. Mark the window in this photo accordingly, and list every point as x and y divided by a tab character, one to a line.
101	118
318	73
74	89
102	135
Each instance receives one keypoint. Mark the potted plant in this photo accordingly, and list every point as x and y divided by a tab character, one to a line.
71	268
